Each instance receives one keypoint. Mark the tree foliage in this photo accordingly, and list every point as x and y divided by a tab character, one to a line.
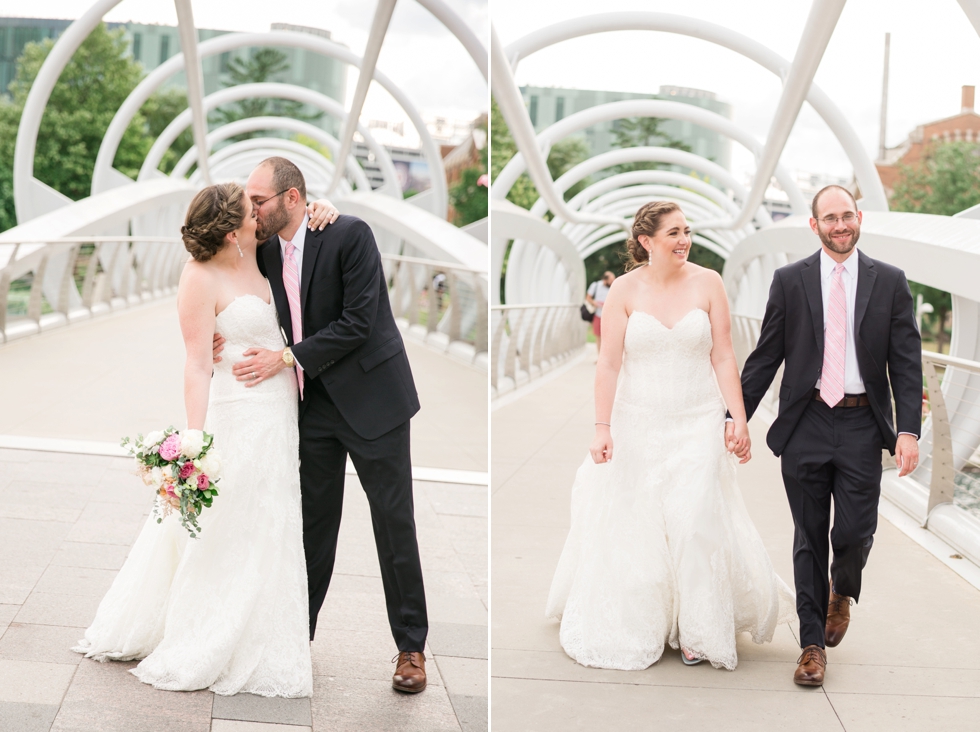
260	66
91	88
468	196
945	182
563	156
643	132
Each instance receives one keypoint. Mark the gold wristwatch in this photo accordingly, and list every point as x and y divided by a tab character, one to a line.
287	357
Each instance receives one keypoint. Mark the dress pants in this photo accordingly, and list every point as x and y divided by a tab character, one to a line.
832	453
384	468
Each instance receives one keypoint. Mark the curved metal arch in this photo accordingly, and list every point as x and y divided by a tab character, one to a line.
650	108
253	124
464	34
265	89
113	136
271	144
864	169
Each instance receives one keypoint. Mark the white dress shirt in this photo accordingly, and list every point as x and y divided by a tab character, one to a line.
299	239
853	383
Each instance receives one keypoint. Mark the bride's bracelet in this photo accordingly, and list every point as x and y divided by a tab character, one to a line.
605	423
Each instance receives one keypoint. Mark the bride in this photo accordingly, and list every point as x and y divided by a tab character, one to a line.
661	549
229	610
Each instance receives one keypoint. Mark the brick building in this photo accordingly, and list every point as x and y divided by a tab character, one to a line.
964	126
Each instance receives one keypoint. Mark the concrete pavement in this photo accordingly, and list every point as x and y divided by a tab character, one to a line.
910	661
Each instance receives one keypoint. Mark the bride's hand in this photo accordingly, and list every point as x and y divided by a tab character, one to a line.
743	443
321	212
602	446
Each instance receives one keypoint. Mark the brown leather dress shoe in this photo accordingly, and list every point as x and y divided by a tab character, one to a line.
812	663
410	672
838	618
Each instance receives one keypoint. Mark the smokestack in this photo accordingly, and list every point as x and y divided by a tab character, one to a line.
884	101
967	100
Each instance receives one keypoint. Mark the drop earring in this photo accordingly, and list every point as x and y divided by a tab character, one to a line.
240	252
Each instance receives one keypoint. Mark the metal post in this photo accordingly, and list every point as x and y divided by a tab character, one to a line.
379	27
884	101
195	84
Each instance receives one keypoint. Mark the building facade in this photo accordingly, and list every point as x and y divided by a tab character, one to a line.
547	105
152	45
964	127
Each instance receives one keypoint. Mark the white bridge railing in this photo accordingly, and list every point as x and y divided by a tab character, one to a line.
86	276
531	339
98	274
444	304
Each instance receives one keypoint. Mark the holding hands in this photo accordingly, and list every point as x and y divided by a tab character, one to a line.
737	441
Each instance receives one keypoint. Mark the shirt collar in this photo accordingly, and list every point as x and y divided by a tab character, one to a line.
827	264
299	238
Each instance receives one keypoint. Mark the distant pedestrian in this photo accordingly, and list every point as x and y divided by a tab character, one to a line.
595	296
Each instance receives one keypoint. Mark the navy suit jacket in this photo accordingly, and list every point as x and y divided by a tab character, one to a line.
887	341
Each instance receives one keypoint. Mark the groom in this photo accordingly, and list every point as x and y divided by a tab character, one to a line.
356	391
843	323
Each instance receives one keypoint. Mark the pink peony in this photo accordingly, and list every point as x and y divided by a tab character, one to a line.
203	482
170	448
169	487
185	472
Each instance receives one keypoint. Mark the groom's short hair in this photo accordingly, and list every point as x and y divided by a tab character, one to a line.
823	190
286	175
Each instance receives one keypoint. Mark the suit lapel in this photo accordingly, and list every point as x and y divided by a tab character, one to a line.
311	248
865	284
273	269
811	283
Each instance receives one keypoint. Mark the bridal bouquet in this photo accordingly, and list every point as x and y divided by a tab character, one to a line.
183	469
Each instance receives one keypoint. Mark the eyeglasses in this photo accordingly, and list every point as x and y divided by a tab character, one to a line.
256	205
848	218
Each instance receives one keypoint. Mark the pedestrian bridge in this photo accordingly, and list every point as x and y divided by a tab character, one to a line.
909	662
69	511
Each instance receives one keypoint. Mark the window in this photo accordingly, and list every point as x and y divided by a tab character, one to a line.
137	46
559	108
164	48
534	110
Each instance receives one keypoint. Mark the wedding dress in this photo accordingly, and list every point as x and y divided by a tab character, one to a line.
661	548
229	610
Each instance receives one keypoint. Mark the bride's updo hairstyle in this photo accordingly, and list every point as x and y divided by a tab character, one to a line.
215	212
646	222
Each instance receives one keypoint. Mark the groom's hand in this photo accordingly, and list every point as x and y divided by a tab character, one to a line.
262	365
906	454
217	346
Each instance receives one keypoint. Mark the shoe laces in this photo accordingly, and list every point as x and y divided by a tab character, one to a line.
835	605
403	657
811	653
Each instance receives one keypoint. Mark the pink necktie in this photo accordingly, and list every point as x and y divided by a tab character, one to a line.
834	342
290	278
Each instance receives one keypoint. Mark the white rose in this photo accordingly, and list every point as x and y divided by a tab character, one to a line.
156	476
191	443
210	464
154	438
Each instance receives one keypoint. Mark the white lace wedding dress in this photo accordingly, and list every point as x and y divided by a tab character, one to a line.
227	611
661	548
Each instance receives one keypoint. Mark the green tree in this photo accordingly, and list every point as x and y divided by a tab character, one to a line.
468	196
159	111
260	66
564	155
945	182
91	88
643	132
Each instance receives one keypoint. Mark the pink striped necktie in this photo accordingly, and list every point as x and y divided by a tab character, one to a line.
290	278
834	342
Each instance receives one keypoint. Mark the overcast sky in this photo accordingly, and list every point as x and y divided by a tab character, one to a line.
419	54
934	51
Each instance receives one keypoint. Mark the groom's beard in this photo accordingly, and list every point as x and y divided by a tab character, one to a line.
840	248
272	223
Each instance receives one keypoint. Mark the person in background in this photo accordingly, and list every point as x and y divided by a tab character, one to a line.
595	296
